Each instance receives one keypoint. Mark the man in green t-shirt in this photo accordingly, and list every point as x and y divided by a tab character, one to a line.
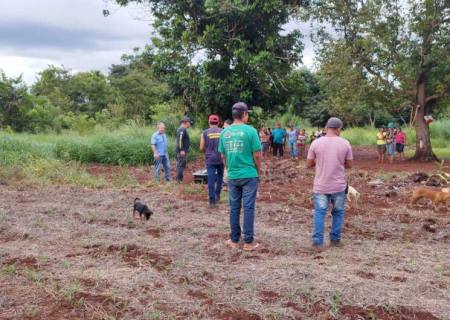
241	152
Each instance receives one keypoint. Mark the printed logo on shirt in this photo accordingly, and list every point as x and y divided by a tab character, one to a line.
214	135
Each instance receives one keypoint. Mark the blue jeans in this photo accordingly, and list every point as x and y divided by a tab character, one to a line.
164	162
293	148
215	181
242	191
321	202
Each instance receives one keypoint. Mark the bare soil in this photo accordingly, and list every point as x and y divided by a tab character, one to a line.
77	253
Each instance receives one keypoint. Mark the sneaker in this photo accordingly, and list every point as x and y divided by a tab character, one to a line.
212	205
250	246
218	198
231	244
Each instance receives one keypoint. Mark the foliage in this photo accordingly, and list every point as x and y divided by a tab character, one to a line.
213	53
392	50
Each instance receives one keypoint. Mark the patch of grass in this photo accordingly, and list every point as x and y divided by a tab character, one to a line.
8	270
335	304
70	293
32	275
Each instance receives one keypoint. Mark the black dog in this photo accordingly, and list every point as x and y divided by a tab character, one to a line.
142	208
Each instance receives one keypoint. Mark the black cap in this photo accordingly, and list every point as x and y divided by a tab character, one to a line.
240	106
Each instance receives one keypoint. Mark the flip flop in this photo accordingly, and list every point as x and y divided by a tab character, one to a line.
252	248
232	244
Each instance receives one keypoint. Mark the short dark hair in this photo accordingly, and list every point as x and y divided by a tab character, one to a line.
229	121
237	114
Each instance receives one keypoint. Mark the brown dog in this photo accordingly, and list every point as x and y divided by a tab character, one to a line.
435	196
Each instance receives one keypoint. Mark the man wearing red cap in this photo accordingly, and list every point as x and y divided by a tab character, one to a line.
209	143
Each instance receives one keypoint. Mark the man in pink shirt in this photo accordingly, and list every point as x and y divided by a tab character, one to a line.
331	155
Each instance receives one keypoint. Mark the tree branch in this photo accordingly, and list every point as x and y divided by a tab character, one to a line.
438	96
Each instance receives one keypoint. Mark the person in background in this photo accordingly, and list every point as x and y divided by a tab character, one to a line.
381	144
278	140
292	138
264	137
330	155
160	154
270	140
301	142
390	143
209	143
226	124
400	141
183	144
241	152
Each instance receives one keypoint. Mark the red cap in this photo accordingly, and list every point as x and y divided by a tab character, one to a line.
213	119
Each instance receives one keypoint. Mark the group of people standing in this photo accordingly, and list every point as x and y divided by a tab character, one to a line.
238	149
390	140
275	140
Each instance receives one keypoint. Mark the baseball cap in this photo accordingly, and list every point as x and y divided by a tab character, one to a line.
240	106
213	119
334	122
186	119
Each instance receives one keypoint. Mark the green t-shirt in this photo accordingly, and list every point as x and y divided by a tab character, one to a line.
238	142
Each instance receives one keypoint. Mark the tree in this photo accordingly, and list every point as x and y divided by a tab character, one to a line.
404	47
54	83
213	53
137	86
14	102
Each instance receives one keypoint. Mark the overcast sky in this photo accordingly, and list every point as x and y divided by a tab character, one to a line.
73	34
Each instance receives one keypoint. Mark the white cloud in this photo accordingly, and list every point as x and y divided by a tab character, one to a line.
34	34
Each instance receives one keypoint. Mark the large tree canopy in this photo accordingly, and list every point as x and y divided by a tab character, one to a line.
215	52
401	48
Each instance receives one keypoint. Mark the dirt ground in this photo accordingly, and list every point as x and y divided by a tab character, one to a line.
77	253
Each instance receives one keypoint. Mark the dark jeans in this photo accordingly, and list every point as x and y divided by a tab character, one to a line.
181	165
164	162
215	181
278	148
242	191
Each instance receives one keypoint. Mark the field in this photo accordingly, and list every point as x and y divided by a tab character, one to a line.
75	252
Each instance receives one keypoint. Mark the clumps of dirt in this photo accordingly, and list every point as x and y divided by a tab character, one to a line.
155	232
197	294
237	315
366	275
267	296
108	304
418	177
136	256
23	262
380	313
430	225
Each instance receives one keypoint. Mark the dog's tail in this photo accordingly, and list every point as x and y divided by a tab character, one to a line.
136	199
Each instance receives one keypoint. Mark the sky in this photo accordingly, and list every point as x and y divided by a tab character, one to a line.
74	33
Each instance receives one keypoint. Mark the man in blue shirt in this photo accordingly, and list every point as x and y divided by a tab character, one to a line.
160	154
278	140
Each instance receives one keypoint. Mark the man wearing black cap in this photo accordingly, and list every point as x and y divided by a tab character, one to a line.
241	152
330	155
209	142
182	147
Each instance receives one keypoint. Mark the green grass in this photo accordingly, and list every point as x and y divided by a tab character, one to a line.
440	135
61	158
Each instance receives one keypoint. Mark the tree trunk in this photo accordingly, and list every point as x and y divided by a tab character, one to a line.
424	151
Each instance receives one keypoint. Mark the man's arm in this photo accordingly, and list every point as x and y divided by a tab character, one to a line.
155	152
310	163
224	159
348	164
257	155
202	143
